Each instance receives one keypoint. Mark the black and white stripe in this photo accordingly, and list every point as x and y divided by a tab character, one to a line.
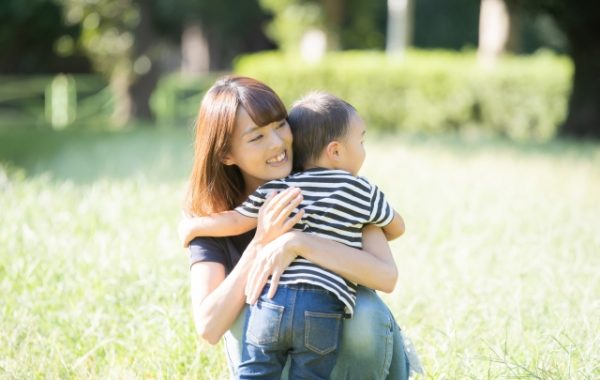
336	206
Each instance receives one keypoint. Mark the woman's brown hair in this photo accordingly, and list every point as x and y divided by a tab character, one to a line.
214	186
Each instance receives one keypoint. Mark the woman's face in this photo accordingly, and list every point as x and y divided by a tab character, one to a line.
262	153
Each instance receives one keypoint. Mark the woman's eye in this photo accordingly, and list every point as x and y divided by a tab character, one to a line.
256	138
281	125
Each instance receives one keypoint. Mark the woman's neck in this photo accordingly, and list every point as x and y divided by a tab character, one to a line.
250	185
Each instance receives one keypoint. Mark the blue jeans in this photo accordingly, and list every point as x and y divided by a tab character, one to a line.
371	347
303	322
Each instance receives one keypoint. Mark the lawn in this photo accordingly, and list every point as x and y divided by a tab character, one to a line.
499	268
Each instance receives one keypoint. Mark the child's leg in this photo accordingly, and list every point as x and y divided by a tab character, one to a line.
317	328
265	347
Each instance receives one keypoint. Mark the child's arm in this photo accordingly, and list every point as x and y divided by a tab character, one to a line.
381	212
395	228
226	223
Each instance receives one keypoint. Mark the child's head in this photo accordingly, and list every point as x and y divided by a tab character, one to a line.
327	133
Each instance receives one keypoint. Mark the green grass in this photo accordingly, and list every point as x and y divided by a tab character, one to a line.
499	269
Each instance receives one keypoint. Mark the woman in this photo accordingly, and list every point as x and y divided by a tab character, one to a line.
242	141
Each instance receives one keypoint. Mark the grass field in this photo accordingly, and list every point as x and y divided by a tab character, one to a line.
499	269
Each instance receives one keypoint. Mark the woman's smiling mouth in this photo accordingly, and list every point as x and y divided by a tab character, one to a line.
281	157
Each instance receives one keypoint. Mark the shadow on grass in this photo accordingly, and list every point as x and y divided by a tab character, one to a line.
84	156
164	155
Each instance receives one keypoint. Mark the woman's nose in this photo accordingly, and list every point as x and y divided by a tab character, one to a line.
275	141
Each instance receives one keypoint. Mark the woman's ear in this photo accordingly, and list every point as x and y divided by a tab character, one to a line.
227	160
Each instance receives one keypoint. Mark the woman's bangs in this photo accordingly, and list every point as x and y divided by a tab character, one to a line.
264	108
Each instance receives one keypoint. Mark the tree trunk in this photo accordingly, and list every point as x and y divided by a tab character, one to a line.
119	84
399	26
579	21
493	31
194	50
334	15
583	118
515	31
218	50
146	66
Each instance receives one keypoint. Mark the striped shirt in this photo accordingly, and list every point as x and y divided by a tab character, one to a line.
336	206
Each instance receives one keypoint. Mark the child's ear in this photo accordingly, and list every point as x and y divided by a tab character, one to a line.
333	150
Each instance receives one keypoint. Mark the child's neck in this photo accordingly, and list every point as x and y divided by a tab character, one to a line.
322	162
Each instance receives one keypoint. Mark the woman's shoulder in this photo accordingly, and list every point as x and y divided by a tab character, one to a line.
224	250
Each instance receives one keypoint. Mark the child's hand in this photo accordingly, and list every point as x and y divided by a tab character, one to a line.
186	229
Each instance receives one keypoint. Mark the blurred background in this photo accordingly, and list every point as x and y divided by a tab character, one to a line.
483	120
519	68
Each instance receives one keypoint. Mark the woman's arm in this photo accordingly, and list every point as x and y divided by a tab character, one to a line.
217	299
373	266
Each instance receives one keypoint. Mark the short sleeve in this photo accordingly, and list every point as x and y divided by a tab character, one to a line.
252	205
382	212
207	249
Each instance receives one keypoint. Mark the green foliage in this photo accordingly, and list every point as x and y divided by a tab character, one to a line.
364	24
131	41
216	16
449	24
523	97
110	35
34	39
359	24
107	27
292	18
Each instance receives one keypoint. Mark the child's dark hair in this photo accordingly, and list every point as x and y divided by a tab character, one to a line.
316	120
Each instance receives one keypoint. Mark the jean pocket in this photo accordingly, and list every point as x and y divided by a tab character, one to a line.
322	331
264	323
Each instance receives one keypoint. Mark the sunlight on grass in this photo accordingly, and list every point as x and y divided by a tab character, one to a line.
498	269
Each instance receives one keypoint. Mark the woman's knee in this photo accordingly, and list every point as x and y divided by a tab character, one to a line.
368	340
371	322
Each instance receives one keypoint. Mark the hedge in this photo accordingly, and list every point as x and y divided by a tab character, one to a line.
522	97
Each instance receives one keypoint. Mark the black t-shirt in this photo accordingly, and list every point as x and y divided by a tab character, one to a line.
223	250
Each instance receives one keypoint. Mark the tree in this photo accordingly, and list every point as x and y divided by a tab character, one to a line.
347	24
33	39
493	31
228	27
292	19
578	19
364	24
399	26
114	36
133	42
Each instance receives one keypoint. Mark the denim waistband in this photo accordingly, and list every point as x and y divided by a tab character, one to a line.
304	286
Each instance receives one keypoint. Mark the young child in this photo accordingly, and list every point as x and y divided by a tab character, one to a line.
328	150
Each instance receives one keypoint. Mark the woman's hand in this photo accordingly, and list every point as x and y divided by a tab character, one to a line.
271	260
274	215
272	256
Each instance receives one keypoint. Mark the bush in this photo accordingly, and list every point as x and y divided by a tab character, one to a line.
430	91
